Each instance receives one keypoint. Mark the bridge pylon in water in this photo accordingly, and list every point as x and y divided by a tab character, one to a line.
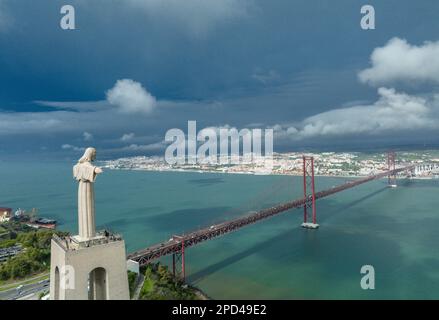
309	194
178	262
391	166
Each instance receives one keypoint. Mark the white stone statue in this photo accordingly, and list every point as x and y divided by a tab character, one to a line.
85	173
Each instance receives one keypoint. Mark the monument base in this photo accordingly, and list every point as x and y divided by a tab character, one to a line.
93	269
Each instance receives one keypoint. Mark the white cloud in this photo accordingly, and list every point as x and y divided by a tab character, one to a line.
29	123
128	99
131	97
127	136
76	105
399	61
266	77
392	112
149	147
126	96
87	136
70	147
196	17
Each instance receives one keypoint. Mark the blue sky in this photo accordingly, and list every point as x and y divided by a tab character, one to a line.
135	68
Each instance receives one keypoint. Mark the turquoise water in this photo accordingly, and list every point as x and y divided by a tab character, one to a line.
395	230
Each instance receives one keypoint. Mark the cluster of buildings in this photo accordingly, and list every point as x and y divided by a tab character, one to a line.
28	218
6	214
326	164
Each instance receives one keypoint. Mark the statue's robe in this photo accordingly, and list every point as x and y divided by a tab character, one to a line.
85	174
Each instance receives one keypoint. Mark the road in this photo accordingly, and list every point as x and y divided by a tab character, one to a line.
31	289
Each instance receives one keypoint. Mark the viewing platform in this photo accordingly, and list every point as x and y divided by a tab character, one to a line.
75	242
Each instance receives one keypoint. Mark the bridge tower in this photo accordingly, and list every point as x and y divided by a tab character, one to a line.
309	193
391	166
178	260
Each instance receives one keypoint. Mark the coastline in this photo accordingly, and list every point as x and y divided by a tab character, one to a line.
259	174
200	293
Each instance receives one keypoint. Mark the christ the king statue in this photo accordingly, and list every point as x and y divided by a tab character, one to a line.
85	173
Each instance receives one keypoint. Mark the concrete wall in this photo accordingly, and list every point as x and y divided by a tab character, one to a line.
79	263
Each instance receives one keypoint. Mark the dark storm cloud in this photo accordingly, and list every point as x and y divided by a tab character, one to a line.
230	62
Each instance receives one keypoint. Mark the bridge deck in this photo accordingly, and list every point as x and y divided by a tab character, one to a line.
174	244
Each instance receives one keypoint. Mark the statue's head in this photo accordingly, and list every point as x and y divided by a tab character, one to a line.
89	155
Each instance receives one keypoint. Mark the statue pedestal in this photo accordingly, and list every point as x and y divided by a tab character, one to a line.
92	269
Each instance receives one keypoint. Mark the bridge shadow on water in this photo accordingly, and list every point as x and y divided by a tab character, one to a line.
418	183
340	209
198	276
284	236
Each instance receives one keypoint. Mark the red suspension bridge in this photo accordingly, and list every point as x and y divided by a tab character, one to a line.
177	244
